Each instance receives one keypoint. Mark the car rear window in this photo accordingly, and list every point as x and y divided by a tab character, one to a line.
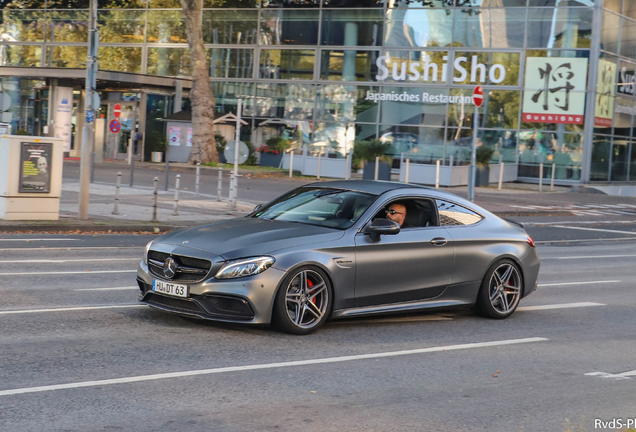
454	214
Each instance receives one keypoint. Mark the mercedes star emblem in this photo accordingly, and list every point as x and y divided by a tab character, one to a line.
169	267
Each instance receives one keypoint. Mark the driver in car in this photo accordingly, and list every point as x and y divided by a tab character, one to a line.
397	213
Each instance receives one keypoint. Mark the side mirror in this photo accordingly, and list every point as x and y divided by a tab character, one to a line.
258	207
382	226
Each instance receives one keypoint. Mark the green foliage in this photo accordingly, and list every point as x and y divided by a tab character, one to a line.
367	151
483	155
21	132
277	143
251	158
220	141
156	142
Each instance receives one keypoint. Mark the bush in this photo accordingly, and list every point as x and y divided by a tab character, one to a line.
274	145
21	132
251	158
483	155
367	151
220	141
156	142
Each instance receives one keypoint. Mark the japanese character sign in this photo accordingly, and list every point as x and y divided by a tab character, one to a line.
554	90
605	94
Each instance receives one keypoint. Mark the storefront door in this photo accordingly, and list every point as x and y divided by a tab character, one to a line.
122	124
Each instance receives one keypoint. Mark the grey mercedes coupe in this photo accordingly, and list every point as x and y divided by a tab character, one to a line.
342	249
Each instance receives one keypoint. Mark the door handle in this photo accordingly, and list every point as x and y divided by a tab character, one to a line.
438	241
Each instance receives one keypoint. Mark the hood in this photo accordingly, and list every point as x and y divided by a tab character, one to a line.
245	237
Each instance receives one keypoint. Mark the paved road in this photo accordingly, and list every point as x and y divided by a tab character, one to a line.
527	373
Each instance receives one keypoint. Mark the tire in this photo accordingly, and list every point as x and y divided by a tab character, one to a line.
303	301
500	290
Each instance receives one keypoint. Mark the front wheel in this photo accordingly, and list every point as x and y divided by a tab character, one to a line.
303	301
500	290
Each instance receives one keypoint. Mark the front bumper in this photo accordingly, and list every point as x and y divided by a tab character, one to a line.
243	300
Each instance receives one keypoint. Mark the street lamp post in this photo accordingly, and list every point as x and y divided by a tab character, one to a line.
88	132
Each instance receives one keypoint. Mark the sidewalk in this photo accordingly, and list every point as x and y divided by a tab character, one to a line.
136	206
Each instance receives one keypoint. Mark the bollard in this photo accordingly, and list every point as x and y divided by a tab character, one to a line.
377	167
219	188
319	156
92	167
347	166
501	173
167	173
176	197
132	171
552	177
437	174
196	184
541	177
116	209
406	172
230	197
450	163
291	164
154	205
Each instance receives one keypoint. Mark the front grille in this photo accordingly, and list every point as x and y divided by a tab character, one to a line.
173	303
231	307
188	269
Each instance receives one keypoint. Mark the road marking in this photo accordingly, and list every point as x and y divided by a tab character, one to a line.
559	306
620	376
578	283
67	272
595	229
586	256
583	240
70	248
264	366
39	239
594	222
67	261
66	309
109	289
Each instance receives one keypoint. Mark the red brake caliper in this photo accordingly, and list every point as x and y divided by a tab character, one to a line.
309	285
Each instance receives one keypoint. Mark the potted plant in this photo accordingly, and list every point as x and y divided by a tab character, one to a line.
272	152
156	144
482	158
367	152
220	142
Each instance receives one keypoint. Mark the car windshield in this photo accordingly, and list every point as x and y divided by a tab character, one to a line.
333	208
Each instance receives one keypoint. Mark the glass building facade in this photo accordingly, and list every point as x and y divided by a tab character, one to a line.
558	75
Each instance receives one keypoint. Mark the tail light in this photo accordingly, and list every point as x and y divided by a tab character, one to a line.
530	242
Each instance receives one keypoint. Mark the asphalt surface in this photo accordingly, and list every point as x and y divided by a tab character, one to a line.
77	353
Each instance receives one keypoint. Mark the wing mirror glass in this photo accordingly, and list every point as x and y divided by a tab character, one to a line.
382	226
258	207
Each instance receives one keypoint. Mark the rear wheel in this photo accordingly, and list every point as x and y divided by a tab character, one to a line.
500	290
303	301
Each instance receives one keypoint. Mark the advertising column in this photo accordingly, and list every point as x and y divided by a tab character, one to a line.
63	113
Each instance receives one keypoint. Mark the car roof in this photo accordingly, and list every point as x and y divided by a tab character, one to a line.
369	186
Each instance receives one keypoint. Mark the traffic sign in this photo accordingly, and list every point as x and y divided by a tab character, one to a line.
478	96
114	126
117	110
244	152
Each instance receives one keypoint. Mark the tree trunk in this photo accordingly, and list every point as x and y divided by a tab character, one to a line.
201	96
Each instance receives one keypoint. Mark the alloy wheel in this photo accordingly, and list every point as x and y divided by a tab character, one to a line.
504	288
306	299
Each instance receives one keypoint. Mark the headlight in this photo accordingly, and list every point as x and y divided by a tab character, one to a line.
244	267
146	251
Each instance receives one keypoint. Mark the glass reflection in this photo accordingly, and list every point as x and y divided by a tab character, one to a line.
66	56
620	148
420	106
227	95
166	27
121	26
230	27
287	64
22	26
344	103
563	150
419	144
418	27
67	26
20	55
416	66
601	148
231	63
169	62
352	27
290	3
560	28
348	65
285	101
285	27
490	28
121	59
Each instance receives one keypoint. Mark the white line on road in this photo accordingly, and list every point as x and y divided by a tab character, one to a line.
265	366
109	289
584	240
33	261
66	309
578	283
588	256
559	306
620	376
39	239
67	272
595	229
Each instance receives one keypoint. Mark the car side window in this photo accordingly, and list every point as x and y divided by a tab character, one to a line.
419	213
454	214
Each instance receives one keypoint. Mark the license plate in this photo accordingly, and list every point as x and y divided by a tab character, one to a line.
170	289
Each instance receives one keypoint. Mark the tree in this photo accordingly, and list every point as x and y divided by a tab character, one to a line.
201	96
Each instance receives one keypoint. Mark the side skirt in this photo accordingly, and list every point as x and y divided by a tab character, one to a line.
396	307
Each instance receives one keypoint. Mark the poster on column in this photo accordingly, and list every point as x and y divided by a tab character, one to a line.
605	93
35	167
174	136
189	140
62	115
